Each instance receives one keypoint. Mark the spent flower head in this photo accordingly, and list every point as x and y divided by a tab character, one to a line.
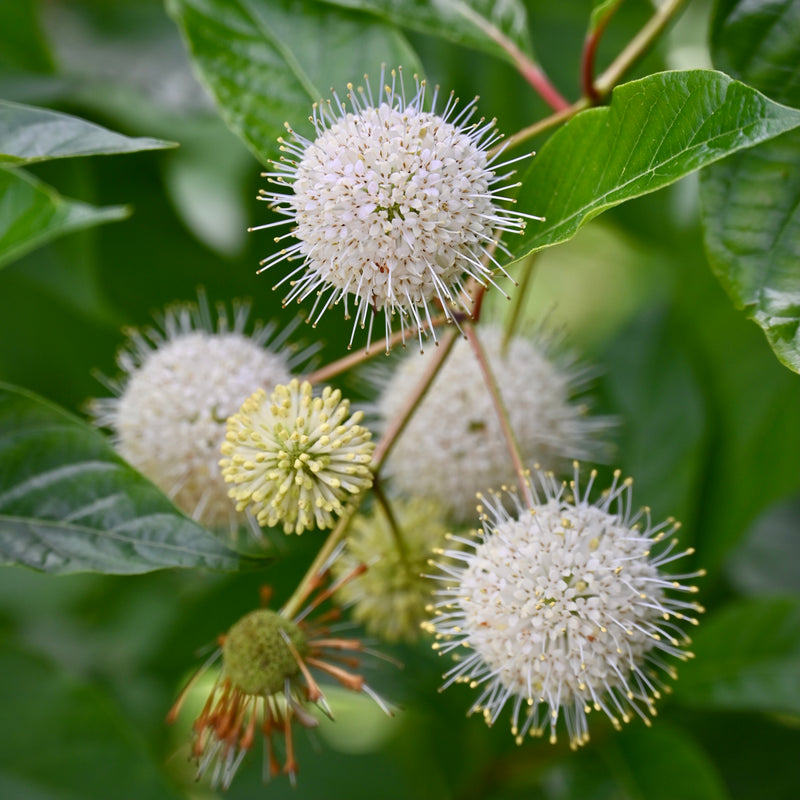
266	686
181	380
392	205
294	459
453	446
562	608
390	598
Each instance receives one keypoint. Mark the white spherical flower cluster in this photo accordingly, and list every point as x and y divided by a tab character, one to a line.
563	607
181	380
453	446
392	203
293	458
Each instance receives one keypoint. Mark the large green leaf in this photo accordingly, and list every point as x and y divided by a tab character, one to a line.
747	659
29	134
65	740
68	503
750	201
472	23
32	213
267	61
655	131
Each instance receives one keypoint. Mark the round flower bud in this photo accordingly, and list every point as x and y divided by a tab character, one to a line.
564	609
391	597
453	445
294	459
392	205
256	656
180	384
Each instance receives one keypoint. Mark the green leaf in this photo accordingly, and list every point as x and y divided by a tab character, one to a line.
750	202
32	213
747	658
768	561
471	23
663	763
757	42
752	236
659	763
655	131
29	134
66	740
265	62
68	503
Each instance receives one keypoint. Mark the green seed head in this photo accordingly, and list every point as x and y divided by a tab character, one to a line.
256	655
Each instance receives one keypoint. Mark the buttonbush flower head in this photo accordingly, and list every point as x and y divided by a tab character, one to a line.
294	459
266	685
563	608
456	425
181	380
391	204
390	598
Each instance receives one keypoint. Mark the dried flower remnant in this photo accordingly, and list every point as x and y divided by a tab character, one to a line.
392	203
457	428
390	598
181	381
563	608
266	686
294	459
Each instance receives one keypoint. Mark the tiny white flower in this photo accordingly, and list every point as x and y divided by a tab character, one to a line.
453	445
294	459
392	203
562	608
181	381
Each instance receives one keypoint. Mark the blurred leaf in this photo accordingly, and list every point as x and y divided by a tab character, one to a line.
29	134
768	561
756	41
68	503
663	763
22	46
471	23
752	229
65	740
655	131
32	213
662	411
266	63
747	658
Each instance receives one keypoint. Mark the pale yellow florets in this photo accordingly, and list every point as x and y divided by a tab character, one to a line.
293	459
390	598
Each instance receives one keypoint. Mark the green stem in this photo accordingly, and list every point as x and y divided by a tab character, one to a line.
309	580
604	84
637	46
526	67
520	295
399	422
540	127
502	413
391	519
365	353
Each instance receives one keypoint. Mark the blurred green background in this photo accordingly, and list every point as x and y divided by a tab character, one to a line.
709	430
